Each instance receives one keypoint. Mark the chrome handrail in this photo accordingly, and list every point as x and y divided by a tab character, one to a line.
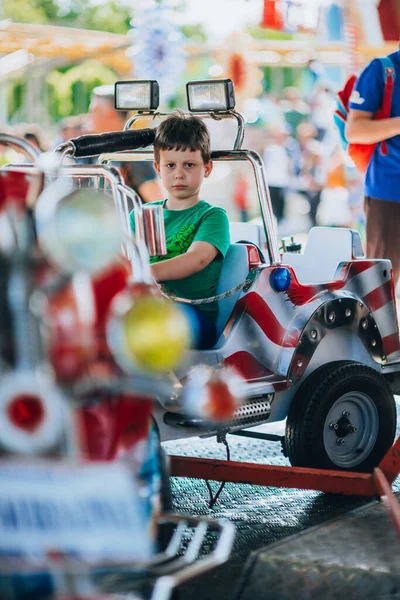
12	140
110	174
178	563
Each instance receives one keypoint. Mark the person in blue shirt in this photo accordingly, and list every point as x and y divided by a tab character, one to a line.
382	182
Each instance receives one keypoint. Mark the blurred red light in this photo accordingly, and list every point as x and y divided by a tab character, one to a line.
26	412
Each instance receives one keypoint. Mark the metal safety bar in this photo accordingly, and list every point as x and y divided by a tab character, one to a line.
230	114
388	498
225	156
27	148
119	192
186	556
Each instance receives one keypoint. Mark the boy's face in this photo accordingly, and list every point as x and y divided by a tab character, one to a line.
182	172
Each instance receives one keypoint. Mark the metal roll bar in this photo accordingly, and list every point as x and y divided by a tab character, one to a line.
110	174
135	252
231	114
223	156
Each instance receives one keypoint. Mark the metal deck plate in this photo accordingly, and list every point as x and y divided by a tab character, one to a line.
262	515
357	555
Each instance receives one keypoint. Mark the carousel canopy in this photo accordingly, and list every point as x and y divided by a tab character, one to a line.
23	44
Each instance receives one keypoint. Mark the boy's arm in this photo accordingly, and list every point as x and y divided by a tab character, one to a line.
198	256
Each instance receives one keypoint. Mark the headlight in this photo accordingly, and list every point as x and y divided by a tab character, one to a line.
136	95
210	96
79	230
148	333
31	413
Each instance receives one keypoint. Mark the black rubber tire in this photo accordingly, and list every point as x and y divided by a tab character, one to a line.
304	437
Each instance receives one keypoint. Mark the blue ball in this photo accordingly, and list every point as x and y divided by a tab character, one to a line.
280	279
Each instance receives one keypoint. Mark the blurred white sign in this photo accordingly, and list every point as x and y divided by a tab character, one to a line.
90	511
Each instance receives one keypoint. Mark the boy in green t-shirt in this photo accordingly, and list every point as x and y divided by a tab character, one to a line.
197	233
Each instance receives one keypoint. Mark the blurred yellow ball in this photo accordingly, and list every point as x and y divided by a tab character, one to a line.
157	334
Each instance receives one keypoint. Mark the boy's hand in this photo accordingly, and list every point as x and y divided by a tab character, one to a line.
198	256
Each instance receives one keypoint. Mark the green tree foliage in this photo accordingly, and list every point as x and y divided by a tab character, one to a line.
107	16
69	92
24	11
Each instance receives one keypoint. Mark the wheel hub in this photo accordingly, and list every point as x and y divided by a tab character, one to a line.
343	427
350	429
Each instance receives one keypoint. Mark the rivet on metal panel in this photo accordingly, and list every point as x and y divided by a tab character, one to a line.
364	323
313	334
299	363
373	343
348	312
361	304
331	317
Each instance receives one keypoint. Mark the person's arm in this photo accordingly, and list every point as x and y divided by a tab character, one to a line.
198	256
361	128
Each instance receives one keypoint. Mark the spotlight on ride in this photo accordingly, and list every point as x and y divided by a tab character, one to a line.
210	95
142	95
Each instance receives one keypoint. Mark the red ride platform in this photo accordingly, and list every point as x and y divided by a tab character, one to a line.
377	483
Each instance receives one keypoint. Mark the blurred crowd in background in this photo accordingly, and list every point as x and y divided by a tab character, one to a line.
311	180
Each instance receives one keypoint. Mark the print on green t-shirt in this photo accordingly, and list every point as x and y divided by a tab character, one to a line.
199	223
179	243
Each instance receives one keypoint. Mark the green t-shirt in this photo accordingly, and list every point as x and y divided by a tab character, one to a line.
199	223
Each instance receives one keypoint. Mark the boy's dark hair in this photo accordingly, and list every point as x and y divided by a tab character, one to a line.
182	132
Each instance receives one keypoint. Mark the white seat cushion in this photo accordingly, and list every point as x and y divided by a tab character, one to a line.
325	249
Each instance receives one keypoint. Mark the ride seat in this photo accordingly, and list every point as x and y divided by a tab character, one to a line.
325	249
235	269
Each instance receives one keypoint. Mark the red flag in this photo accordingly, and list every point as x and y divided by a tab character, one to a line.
272	16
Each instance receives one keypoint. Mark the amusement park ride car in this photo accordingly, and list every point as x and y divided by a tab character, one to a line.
314	334
77	444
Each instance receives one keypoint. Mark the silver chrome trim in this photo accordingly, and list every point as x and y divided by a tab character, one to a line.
223	156
217	116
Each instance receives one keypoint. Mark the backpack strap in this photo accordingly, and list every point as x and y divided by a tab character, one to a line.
389	77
